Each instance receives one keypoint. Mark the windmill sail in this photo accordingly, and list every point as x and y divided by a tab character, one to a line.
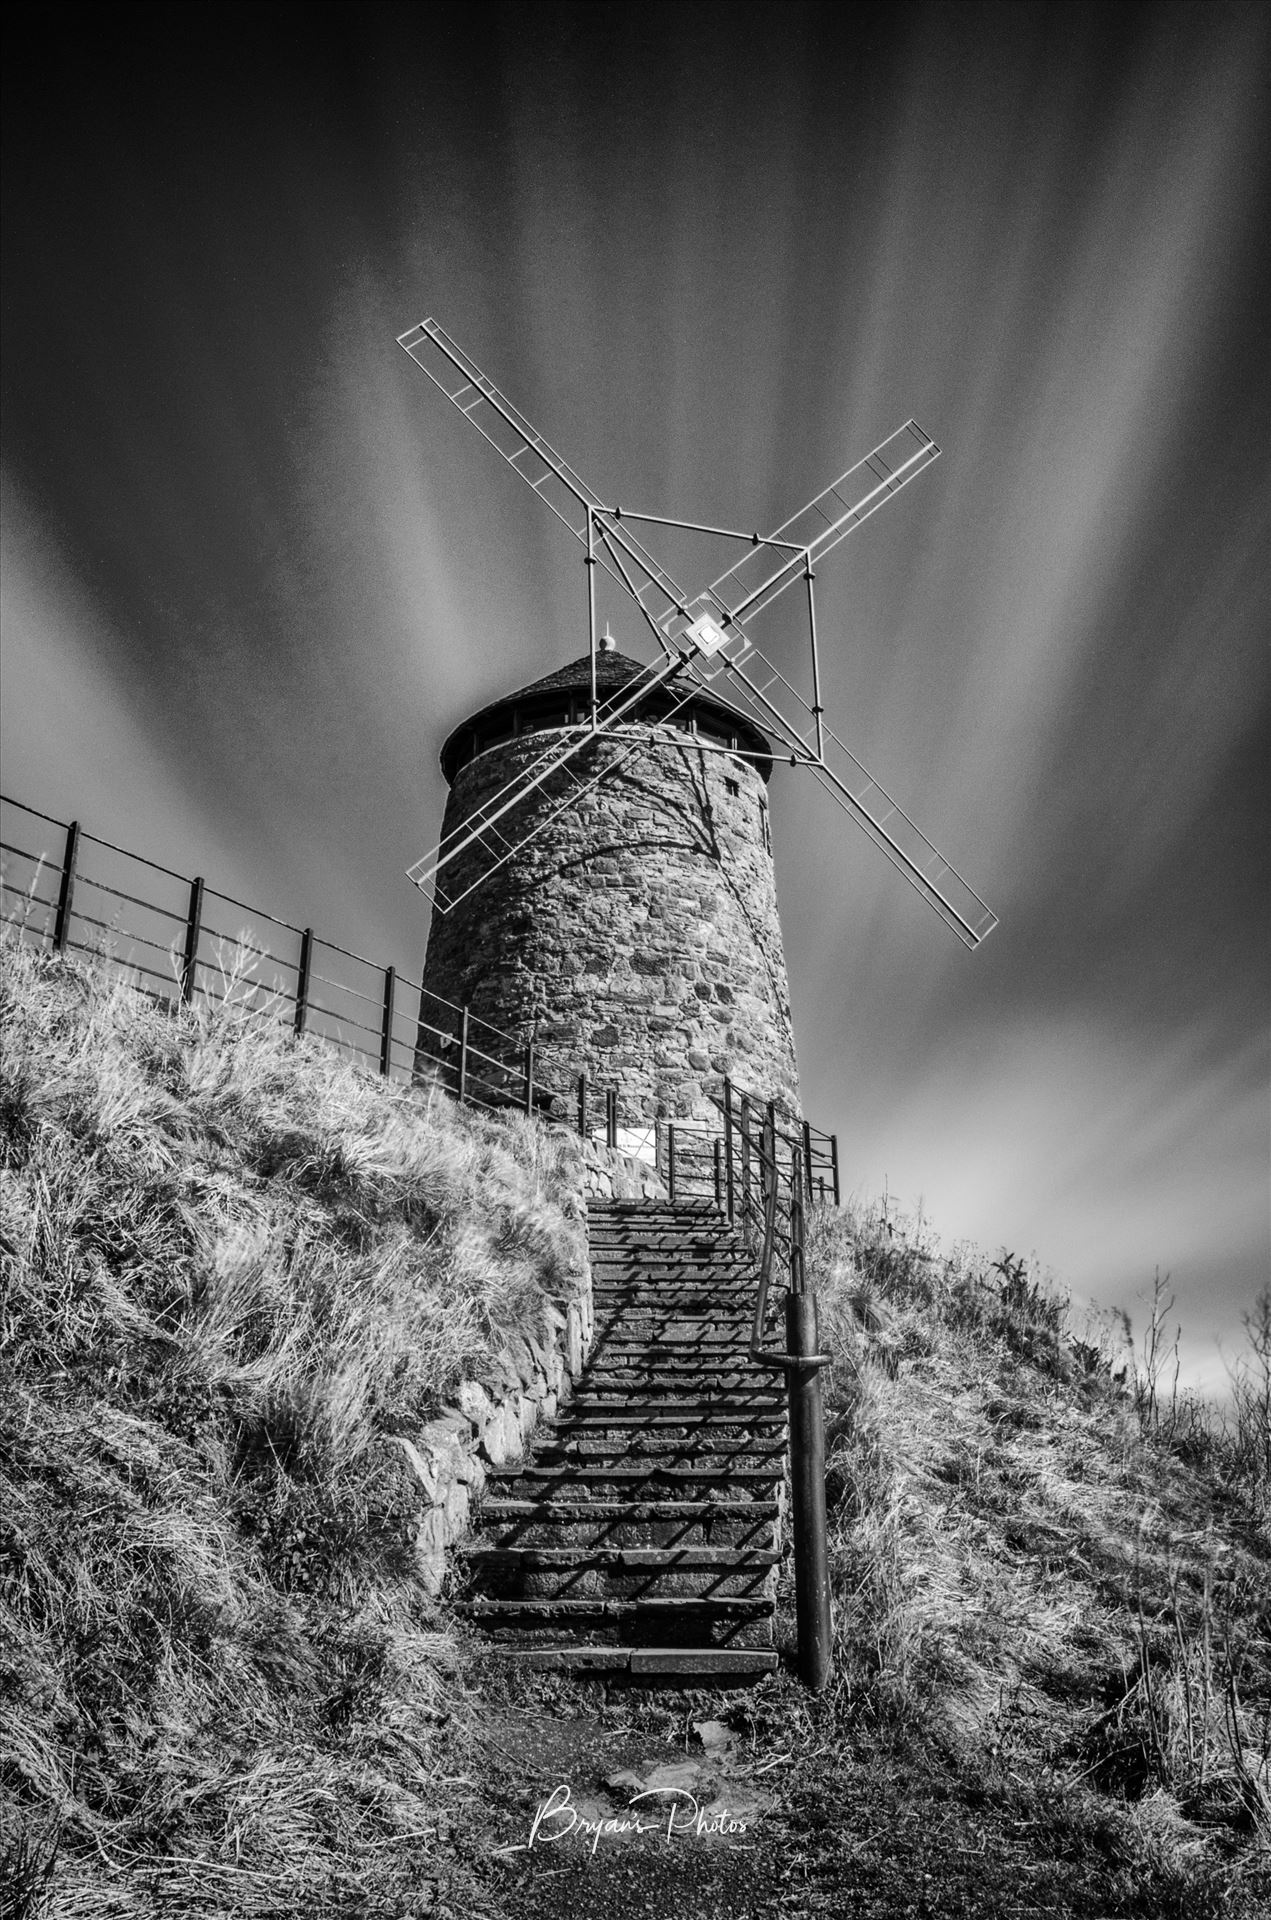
759	576
854	788
703	637
543	470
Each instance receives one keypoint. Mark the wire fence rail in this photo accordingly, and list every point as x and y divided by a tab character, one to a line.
182	940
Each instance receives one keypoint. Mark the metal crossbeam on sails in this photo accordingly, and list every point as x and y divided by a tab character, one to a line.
700	638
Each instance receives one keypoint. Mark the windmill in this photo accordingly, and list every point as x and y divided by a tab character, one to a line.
700	638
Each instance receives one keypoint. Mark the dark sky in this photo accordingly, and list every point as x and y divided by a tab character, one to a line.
255	568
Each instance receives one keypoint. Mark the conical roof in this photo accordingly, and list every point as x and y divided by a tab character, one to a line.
613	671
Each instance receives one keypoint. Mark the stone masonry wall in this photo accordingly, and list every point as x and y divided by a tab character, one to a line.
638	938
495	1419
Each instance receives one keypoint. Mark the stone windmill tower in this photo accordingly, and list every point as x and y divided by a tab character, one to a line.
635	937
603	885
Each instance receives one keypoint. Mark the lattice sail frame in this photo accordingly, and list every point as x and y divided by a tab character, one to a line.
699	638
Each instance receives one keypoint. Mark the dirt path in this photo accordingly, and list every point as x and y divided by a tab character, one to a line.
710	1807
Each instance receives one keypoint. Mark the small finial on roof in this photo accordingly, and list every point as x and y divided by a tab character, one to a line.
607	641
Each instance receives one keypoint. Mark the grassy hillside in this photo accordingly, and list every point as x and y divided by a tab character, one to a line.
1052	1569
234	1269
237	1272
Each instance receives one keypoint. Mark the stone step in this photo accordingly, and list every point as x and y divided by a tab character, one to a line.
618	1250
692	1252
655	1208
654	1365
628	1523
665	1236
629	1342
585	1410
645	1248
684	1300
629	1559
667	1574
611	1260
683	1666
597	1607
750	1511
650	1280
659	1326
705	1462
663	1384
660	1446
647	1266
671	1259
522	1482
679	1622
650	1383
700	1296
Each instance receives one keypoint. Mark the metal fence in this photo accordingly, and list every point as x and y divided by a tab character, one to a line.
182	940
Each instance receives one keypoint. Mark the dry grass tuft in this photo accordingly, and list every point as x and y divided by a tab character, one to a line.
233	1268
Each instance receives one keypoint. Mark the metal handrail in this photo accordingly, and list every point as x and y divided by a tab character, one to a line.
765	1258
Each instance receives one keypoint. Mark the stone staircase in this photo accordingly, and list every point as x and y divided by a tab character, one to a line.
641	1536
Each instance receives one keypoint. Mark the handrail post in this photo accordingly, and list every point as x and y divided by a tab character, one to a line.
719	1176
834	1166
670	1160
611	1117
529	1076
463	1055
66	892
807	1461
582	1106
386	1028
193	928
302	978
807	1157
728	1150
797	1222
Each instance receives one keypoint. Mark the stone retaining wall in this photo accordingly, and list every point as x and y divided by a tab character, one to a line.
495	1420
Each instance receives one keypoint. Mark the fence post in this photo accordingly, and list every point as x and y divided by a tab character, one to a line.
807	1460
719	1176
463	1055
807	1157
386	1031
66	892
529	1076
611	1117
728	1149
670	1160
193	928
582	1106
834	1166
302	979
